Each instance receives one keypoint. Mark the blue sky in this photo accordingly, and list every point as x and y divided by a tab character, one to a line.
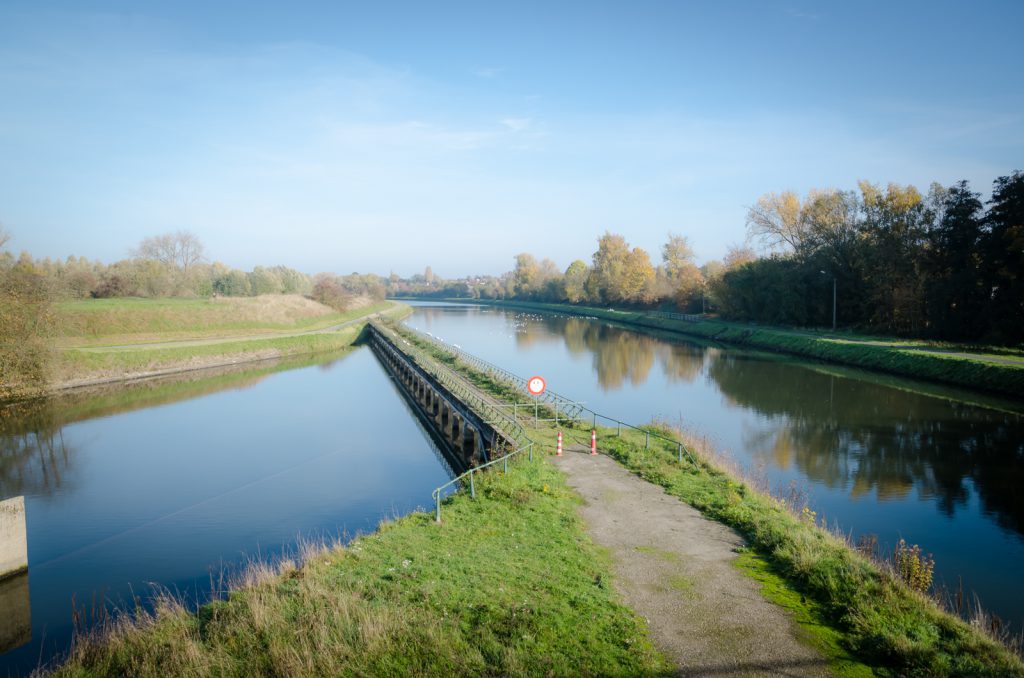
389	136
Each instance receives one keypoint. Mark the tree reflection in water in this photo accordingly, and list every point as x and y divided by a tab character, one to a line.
852	433
618	355
34	458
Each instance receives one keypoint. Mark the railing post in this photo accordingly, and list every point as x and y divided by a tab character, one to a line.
647	439
472	487
531	451
618	430
437	500
506	464
515	410
680	453
595	419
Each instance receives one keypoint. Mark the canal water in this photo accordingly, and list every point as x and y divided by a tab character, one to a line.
175	483
871	454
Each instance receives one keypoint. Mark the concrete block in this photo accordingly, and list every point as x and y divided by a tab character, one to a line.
13	540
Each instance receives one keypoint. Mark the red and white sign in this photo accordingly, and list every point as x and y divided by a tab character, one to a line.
536	385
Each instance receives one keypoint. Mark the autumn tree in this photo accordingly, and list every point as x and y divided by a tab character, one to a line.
26	319
609	268
684	278
775	221
574	281
177	253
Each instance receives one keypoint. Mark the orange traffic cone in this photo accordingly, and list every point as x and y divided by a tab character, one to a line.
558	452
593	442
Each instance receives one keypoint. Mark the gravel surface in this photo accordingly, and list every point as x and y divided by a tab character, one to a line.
674	567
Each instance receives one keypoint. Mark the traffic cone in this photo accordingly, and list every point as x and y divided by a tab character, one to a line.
558	452
593	442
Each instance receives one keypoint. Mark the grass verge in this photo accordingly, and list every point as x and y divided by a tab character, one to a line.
904	359
509	584
859	614
95	320
78	365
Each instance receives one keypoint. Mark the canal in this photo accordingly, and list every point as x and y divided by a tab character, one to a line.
875	456
179	483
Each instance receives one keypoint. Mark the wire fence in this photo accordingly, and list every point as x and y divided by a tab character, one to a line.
460	480
580	414
459	386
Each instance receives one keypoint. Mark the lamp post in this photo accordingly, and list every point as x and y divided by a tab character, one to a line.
833	300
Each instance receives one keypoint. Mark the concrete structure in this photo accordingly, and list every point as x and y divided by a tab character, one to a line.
13	541
467	432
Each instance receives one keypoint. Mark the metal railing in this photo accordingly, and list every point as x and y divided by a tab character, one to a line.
690	317
436	494
460	387
567	407
579	409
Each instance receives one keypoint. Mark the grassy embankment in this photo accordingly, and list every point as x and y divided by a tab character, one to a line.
125	338
856	611
957	365
508	584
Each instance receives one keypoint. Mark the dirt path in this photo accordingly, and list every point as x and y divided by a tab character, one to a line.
673	566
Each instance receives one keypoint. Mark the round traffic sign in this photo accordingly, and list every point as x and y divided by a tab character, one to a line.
536	385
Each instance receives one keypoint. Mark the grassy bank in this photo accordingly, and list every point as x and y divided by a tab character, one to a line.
103	321
509	584
963	366
86	364
856	612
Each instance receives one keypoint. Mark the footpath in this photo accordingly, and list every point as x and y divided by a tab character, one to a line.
674	567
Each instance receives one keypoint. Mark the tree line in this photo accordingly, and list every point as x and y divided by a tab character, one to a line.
168	265
942	265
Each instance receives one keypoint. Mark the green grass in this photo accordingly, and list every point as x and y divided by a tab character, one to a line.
79	361
902	360
856	613
111	362
92	320
508	584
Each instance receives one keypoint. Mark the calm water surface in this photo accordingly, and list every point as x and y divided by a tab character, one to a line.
173	483
875	455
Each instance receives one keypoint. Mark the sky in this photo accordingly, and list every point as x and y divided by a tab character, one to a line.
386	136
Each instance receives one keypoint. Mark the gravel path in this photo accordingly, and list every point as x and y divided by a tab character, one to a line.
673	566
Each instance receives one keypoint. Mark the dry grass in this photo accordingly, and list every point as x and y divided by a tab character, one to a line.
274	309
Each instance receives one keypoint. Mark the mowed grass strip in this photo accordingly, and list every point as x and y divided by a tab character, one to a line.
508	584
91	321
82	363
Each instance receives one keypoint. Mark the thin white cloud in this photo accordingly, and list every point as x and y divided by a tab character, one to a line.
517	124
487	72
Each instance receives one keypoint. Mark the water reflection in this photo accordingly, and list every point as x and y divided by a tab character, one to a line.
865	437
619	355
16	620
36	459
172	482
861	436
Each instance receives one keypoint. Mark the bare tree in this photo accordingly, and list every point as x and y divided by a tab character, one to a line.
776	221
180	250
4	236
